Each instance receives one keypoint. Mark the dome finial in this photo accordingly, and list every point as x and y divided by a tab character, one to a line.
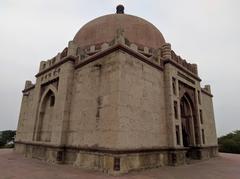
120	9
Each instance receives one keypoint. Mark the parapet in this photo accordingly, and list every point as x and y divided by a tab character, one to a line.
207	88
48	63
28	86
156	56
191	67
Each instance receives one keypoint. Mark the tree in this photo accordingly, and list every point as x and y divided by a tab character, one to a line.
230	143
6	136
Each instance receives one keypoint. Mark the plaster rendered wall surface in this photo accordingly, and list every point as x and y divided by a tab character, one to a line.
62	104
142	122
208	120
26	122
94	118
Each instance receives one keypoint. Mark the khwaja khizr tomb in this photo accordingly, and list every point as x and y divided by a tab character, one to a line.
117	99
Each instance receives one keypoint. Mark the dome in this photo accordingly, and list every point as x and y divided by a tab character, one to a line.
103	29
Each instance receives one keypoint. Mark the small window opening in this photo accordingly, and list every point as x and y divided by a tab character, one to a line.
201	116
199	97
52	100
116	166
176	109
203	136
59	156
178	135
174	86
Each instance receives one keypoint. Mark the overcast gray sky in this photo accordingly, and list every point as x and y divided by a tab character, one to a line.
206	32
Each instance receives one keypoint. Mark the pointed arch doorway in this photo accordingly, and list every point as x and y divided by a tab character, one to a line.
45	116
187	120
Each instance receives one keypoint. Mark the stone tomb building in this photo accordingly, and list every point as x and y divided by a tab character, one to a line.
117	99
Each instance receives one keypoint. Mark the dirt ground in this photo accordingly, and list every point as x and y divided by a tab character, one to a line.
15	166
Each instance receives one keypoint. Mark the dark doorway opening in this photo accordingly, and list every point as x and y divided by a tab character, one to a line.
187	121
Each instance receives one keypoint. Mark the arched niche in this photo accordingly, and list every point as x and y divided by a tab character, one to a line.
45	115
188	120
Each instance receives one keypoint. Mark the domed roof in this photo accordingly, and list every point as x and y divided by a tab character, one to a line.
103	29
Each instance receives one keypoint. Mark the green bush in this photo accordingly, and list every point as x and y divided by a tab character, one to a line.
230	143
6	137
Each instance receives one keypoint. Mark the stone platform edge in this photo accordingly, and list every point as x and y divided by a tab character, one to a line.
114	162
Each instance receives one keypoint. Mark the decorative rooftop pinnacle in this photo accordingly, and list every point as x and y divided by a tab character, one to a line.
120	9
